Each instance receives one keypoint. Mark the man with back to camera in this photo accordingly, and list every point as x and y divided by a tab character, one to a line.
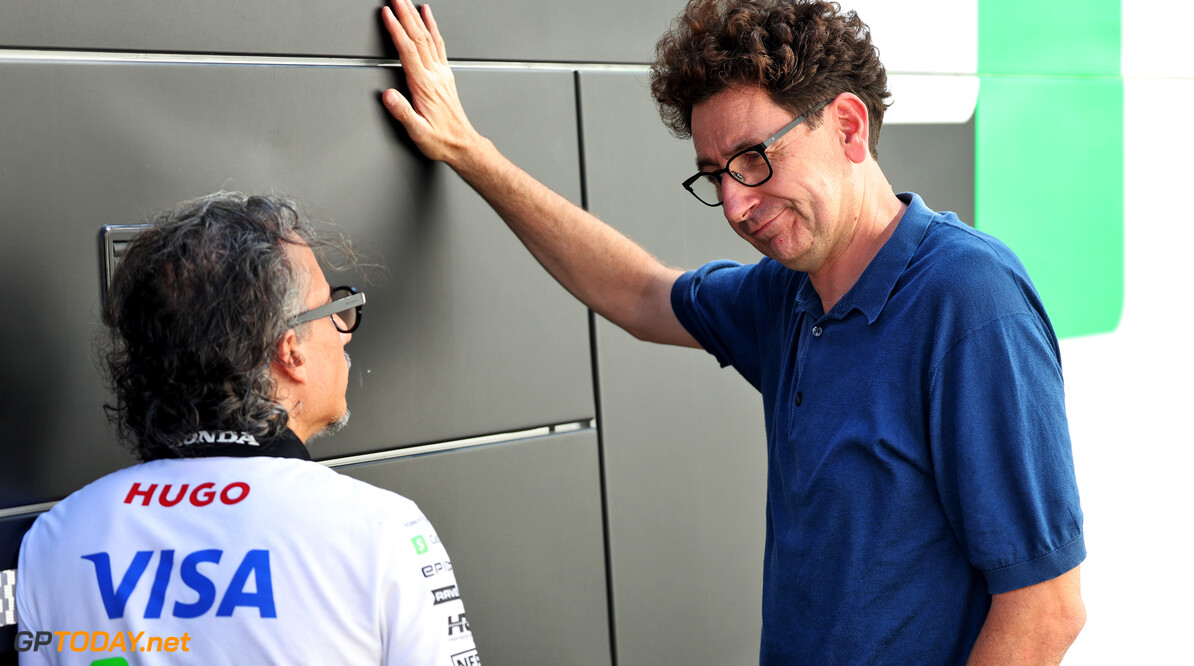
921	505
227	356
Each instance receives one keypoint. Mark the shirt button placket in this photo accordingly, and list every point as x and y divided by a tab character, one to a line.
799	397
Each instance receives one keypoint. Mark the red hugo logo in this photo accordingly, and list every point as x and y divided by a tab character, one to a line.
201	495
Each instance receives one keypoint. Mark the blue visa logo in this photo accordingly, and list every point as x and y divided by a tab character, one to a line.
255	564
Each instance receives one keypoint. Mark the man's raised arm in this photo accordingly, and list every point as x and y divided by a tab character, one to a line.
607	271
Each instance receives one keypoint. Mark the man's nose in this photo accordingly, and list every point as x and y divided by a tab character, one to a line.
737	200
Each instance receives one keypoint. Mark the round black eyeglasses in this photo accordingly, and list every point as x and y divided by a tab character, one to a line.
749	167
345	310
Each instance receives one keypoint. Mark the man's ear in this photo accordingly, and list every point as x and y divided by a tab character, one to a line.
853	126
288	360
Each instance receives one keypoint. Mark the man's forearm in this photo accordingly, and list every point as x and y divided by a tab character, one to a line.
1031	626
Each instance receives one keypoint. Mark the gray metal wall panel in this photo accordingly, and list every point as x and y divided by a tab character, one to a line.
617	31
935	161
463	336
683	440
522	523
310	27
542	30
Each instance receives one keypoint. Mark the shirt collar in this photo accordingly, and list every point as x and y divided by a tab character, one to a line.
212	443
873	288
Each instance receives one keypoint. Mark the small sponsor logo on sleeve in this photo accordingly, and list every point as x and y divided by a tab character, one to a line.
432	570
420	544
445	594
458	627
468	658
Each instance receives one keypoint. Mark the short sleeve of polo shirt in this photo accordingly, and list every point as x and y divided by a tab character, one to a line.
424	612
718	304
1001	453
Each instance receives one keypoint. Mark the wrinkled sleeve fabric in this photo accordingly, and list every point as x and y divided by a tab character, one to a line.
720	304
1001	449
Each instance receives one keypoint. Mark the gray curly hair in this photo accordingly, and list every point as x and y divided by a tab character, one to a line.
196	308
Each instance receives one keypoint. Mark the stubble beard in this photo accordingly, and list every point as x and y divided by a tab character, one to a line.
340	423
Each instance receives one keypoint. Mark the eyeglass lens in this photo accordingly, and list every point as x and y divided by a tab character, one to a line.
346	319
749	168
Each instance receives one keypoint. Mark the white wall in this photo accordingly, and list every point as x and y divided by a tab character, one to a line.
1129	392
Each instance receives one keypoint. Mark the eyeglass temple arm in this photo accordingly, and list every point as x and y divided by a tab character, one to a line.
332	308
792	125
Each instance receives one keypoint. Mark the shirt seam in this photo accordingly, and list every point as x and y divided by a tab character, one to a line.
966	336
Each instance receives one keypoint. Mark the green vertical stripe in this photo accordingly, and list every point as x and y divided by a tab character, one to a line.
1049	37
1049	153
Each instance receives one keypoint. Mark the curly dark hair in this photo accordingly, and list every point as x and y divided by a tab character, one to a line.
800	51
196	307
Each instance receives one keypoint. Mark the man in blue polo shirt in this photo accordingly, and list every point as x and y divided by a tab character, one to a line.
921	505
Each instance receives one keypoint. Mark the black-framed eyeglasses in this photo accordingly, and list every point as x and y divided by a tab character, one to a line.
749	167
345	310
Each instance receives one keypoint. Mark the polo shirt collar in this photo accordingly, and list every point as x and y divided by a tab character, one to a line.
873	288
212	443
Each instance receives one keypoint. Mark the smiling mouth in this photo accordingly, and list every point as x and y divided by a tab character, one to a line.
755	233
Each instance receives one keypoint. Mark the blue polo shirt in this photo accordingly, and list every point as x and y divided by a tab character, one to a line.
918	452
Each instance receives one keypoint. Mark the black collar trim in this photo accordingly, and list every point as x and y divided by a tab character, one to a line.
213	443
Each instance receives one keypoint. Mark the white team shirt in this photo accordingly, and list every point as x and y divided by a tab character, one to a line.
255	560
